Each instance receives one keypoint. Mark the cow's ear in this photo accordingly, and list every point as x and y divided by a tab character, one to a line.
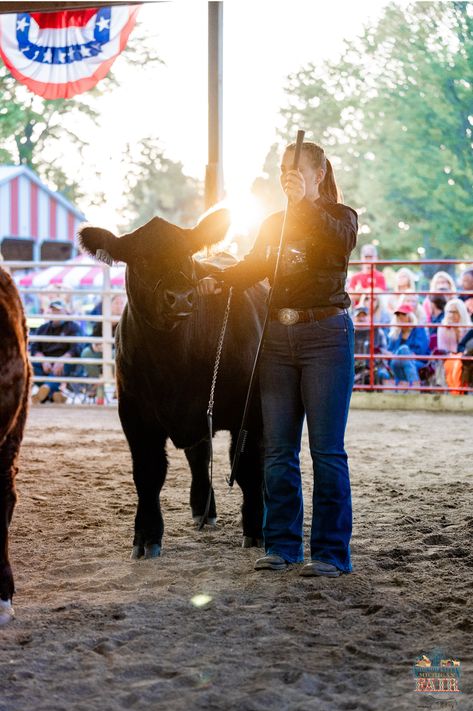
211	229
102	244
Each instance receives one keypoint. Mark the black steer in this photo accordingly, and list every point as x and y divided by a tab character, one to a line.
14	391
166	345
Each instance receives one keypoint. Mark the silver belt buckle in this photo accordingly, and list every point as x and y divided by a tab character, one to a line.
288	317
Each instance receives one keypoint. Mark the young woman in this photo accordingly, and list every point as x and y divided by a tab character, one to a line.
307	364
405	281
441	281
455	324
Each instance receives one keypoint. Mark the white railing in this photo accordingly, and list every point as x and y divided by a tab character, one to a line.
105	292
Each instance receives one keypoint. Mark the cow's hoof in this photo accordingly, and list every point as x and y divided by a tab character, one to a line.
153	550
7	612
210	521
137	552
251	542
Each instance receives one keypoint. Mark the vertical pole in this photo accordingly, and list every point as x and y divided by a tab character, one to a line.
107	371
372	268
214	169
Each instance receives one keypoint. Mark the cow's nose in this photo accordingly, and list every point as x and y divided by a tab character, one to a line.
169	297
179	301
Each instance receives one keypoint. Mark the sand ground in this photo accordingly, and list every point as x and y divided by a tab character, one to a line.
96	631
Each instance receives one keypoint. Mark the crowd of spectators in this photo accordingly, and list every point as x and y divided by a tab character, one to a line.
43	350
410	327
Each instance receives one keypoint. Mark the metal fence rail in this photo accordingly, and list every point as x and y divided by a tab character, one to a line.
106	361
372	356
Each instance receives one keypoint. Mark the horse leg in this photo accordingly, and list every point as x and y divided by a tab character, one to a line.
249	477
199	459
147	442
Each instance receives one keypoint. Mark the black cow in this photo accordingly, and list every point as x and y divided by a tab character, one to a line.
14	393
166	345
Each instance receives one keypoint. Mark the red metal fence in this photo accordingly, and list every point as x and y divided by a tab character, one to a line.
373	355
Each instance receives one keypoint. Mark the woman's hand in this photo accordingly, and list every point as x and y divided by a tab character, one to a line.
208	285
294	186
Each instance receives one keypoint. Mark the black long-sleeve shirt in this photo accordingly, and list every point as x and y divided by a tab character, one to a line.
56	349
320	236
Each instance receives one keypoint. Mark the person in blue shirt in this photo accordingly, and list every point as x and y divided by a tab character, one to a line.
50	390
404	339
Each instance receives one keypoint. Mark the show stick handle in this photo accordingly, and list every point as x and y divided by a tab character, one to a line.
297	152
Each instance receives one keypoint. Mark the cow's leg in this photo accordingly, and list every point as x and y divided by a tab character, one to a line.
198	458
8	470
147	442
249	477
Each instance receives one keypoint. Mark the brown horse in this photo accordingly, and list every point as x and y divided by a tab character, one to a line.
14	393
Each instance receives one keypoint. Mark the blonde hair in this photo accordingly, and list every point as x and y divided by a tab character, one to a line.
396	327
442	275
377	306
460	306
405	271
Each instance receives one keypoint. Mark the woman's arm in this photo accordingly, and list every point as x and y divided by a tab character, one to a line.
252	268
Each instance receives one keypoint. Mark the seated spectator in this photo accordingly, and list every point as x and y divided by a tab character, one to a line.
117	304
55	349
437	309
459	371
380	315
361	322
362	280
413	300
465	344
466	284
454	326
405	281
94	350
406	340
441	281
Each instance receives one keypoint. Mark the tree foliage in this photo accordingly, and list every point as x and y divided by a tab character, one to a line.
157	185
395	114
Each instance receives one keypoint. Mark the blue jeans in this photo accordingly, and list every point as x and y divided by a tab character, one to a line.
405	369
69	370
307	370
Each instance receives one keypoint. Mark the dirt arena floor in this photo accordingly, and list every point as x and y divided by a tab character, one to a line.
95	631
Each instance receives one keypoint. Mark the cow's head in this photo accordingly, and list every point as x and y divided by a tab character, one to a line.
161	278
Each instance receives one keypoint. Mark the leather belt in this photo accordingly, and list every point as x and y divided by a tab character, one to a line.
288	317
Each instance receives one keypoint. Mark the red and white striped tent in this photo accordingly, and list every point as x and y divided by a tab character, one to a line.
28	208
77	273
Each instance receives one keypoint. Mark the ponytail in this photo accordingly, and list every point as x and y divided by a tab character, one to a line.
328	188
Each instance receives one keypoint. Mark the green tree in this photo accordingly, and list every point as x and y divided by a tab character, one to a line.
396	115
157	185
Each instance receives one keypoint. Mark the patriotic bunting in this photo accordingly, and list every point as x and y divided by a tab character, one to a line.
61	54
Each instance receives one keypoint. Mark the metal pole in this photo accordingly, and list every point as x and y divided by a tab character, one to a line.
214	169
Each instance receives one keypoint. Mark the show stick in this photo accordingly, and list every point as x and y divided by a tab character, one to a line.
243	434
